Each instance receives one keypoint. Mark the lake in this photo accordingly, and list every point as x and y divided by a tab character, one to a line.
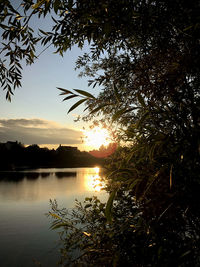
25	235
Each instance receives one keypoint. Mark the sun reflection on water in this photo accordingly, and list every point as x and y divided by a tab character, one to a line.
93	181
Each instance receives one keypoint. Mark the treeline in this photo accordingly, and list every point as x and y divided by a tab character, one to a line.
15	155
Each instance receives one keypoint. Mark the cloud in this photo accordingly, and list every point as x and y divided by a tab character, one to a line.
37	131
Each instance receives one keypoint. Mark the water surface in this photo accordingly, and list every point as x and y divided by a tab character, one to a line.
24	199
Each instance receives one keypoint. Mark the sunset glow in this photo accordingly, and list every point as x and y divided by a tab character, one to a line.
93	181
96	137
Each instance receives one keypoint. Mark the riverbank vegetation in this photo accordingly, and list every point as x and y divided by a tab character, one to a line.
146	57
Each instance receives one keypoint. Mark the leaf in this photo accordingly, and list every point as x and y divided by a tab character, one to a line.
4	26
64	91
116	92
45	33
77	104
56	5
122	111
58	225
141	100
132	185
98	108
170	179
188	28
88	206
84	93
109	205
18	17
152	151
85	108
185	254
70	4
69	97
119	113
55	216
87	234
144	117
38	4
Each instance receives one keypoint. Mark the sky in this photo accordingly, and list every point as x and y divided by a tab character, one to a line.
37	114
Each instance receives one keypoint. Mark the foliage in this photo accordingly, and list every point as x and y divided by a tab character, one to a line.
128	240
153	31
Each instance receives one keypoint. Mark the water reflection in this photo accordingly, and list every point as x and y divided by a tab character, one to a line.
32	175
45	184
45	174
24	199
8	176
65	174
17	176
93	182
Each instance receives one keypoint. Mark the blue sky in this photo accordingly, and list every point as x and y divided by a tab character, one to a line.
38	100
37	113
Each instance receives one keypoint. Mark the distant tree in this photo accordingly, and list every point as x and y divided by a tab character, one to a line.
15	156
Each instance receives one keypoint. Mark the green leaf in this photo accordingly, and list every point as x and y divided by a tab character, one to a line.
84	93
109	204
76	104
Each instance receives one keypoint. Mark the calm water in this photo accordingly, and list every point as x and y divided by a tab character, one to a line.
24	200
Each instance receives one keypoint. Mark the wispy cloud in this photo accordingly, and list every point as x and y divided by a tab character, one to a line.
37	131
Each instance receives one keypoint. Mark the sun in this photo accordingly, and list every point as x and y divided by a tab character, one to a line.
96	137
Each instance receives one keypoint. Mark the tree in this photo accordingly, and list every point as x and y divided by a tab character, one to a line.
154	27
145	55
